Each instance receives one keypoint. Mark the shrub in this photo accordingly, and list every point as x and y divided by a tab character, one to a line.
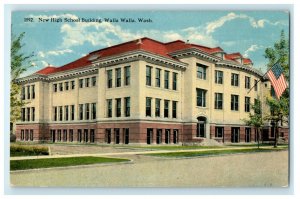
30	150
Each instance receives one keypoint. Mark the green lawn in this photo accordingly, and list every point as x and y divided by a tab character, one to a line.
60	162
170	147
214	152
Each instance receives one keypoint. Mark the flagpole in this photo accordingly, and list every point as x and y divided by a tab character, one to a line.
262	77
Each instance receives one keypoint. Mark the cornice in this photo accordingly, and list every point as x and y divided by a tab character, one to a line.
139	55
31	78
194	52
59	75
235	65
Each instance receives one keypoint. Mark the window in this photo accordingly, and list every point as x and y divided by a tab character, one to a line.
235	134
247	104
31	134
65	136
109	108
255	84
127	75
157	107
66	86
80	111
26	135
23	93
33	91
109	79
32	114
258	110
234	79
234	102
166	108
247	82
28	92
94	111
201	97
218	100
23	114
28	114
157	77
92	135
72	84
167	79
87	111
72	112
118	107
218	77
79	136
80	83
22	134
158	136
59	135
148	75
167	136
86	135
127	107
174	109
61	87
118	77
55	113
66	113
94	81
55	87
247	134
174	81
71	135
201	71
148	106
60	113
219	132
87	82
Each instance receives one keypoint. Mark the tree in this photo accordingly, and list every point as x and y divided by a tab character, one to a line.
19	64
279	108
255	119
279	114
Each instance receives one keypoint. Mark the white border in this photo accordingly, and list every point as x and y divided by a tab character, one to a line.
5	20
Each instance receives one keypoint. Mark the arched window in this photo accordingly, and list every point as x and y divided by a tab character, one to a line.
201	126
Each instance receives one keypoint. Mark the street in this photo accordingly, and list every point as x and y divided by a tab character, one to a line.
268	169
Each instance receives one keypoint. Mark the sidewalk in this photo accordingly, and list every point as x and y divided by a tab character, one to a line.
133	153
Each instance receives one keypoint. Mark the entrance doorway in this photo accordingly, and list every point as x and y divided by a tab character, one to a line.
201	127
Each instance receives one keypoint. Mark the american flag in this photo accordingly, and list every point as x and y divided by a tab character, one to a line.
275	75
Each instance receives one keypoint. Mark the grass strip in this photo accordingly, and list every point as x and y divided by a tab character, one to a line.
60	162
213	152
173	147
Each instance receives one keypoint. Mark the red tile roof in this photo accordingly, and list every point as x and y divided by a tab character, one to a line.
247	61
147	44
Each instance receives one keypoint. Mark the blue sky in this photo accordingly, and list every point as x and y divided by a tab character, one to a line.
249	33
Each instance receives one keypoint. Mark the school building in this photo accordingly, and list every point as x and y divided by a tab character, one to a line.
145	92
